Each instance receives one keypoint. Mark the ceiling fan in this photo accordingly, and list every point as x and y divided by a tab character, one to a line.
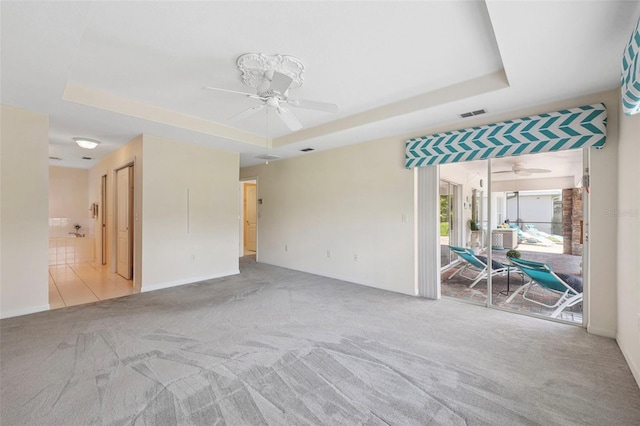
272	77
519	169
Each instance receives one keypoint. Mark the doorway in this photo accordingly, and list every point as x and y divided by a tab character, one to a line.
249	223
124	221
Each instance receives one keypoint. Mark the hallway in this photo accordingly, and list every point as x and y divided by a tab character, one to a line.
84	282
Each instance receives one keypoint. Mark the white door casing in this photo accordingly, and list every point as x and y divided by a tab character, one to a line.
251	217
124	204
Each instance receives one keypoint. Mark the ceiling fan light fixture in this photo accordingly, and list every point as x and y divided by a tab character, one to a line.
87	143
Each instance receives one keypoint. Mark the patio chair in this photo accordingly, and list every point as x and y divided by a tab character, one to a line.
569	287
476	263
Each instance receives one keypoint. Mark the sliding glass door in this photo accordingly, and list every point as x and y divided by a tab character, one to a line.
537	215
449	221
530	204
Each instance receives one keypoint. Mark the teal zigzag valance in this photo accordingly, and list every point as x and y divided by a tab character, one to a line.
581	127
631	74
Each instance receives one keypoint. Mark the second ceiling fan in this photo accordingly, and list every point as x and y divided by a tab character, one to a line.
520	170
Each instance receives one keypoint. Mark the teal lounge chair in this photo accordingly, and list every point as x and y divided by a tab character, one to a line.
569	287
476	263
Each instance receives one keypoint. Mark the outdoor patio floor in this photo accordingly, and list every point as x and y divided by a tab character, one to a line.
458	287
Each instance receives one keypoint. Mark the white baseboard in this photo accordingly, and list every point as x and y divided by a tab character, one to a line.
26	311
635	368
160	286
601	332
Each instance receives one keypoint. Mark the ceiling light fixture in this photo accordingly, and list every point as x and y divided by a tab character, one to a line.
86	143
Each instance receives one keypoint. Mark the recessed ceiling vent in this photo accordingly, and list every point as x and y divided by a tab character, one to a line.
267	157
472	113
87	158
307	149
55	158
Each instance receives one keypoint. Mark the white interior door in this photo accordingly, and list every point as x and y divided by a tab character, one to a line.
124	246
251	222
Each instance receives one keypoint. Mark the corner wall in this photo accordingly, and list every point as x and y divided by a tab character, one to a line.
321	210
190	213
628	216
601	247
24	189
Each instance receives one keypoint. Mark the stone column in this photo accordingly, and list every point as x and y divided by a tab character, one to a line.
567	209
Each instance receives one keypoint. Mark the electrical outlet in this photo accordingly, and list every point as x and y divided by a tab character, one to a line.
193	257
355	257
286	247
328	253
404	218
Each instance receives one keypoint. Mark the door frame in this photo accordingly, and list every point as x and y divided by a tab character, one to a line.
454	191
241	216
103	219
114	232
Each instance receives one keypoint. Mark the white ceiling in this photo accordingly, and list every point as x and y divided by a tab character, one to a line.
113	70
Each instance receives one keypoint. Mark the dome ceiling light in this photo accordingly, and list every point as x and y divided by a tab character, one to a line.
87	143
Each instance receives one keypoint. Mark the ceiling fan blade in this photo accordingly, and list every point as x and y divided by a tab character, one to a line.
538	170
280	83
503	171
249	95
247	112
318	106
288	118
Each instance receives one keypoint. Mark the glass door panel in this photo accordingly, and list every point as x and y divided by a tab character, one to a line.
536	214
463	221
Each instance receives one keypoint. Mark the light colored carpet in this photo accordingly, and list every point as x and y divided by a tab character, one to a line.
275	346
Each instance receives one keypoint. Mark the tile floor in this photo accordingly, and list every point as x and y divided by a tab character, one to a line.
73	282
84	282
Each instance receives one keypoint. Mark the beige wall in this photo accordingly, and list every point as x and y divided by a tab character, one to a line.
24	180
627	213
190	213
68	192
348	201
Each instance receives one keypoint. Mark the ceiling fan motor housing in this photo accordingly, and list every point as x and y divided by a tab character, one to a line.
258	70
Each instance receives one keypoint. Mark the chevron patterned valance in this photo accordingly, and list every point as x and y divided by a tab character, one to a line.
555	131
631	74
